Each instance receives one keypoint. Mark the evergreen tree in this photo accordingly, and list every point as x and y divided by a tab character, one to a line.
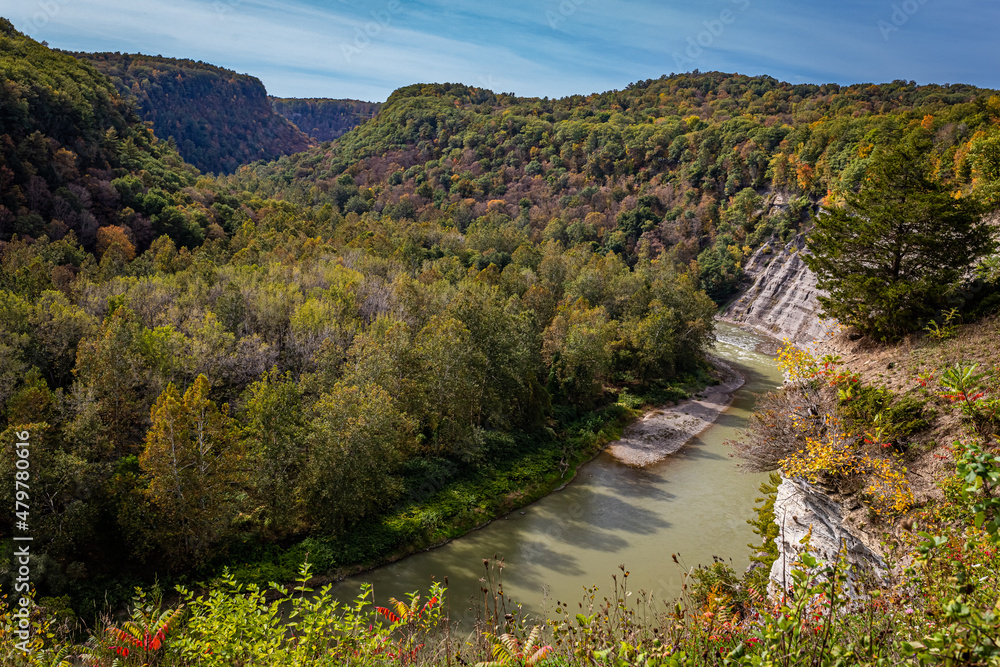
893	256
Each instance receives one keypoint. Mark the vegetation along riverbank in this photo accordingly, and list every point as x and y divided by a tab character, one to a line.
371	345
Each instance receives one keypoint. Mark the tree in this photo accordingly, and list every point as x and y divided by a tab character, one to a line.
450	384
384	355
510	393
358	438
192	458
274	432
894	254
114	240
111	382
65	497
578	348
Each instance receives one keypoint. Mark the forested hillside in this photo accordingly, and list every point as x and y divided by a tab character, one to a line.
219	119
376	344
325	119
704	167
209	377
74	158
369	346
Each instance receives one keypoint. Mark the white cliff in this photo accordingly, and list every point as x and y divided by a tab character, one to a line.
802	509
781	300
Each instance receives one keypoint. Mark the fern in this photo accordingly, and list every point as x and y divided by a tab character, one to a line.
764	524
58	658
510	651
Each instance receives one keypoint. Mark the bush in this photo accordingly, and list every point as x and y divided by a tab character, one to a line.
896	419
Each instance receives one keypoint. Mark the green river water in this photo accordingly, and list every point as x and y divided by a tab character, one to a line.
694	503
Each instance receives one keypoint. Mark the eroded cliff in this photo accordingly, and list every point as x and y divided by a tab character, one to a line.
802	509
781	300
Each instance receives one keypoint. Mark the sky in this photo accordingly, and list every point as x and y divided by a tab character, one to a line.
365	49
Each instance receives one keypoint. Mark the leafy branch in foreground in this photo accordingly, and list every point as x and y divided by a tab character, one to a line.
976	393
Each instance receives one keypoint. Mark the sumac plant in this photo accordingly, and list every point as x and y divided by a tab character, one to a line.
139	640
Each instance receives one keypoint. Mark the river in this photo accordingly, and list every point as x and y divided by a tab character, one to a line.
694	503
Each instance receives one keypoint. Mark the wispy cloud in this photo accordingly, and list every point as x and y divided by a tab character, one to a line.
367	48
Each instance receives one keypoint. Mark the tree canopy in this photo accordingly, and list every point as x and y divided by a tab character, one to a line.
325	119
893	256
218	119
412	324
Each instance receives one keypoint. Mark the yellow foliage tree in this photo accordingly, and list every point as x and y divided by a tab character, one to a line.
192	458
113	239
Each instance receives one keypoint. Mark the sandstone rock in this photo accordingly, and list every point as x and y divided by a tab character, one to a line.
801	507
781	301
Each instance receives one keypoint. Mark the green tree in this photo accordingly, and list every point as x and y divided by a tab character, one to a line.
384	355
505	337
450	382
357	440
274	431
894	254
65	516
112	384
578	348
192	458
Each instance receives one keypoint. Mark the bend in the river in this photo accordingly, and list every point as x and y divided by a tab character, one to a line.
694	503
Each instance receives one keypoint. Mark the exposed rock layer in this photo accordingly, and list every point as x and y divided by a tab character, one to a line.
782	301
801	507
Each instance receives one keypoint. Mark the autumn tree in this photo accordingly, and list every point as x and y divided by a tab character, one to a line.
193	460
112	240
895	253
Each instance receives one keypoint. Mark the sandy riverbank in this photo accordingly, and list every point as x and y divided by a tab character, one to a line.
663	431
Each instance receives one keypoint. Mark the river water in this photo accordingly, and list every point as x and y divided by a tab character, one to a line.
694	503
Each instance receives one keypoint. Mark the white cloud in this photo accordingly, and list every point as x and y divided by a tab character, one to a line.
354	48
329	52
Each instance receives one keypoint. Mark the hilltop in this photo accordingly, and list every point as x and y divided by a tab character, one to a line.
218	119
75	158
702	167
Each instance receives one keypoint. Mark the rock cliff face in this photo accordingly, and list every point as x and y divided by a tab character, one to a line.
801	507
781	301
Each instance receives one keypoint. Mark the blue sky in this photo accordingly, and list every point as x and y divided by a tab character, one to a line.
365	49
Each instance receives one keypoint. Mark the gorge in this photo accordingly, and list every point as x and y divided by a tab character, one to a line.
693	503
